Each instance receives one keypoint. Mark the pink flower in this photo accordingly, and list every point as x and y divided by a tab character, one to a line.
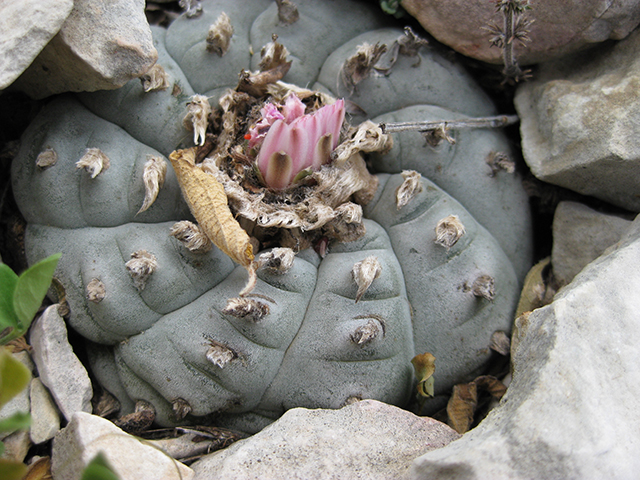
298	142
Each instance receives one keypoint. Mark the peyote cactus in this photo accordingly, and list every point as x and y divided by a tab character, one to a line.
434	266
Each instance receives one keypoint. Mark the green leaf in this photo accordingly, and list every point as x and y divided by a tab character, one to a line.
99	469
31	289
17	421
8	282
14	376
10	470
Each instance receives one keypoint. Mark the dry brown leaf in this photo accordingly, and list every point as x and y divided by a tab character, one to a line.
208	204
491	385
424	366
462	405
39	470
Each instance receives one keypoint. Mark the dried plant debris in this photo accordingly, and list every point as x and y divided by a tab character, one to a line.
46	158
500	161
190	235
364	273
358	67
501	343
273	54
287	12
156	79
197	117
424	366
219	36
483	286
192	8
220	354
141	267
514	28
96	291
374	328
153	176
141	419
407	44
94	162
448	231
246	308
539	287
181	408
411	186
278	260
466	398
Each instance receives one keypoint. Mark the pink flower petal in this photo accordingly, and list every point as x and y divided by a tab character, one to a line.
293	108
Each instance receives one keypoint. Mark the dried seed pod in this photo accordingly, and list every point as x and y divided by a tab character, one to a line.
197	117
47	158
247	308
219	354
94	161
448	231
181	408
277	260
140	267
156	79
500	343
208	204
358	67
364	273
96	291
141	419
424	366
411	186
374	328
483	286
273	54
219	36
153	176
287	12
191	236
500	161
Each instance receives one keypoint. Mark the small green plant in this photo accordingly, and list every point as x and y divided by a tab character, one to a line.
20	299
99	469
14	377
21	296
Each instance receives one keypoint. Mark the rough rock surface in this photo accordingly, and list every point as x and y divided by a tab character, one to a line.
25	28
580	123
59	368
368	439
580	235
86	435
571	410
560	26
102	45
45	420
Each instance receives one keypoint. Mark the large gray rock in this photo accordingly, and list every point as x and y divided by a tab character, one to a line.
365	440
102	45
571	410
25	28
58	366
560	26
86	435
580	123
580	235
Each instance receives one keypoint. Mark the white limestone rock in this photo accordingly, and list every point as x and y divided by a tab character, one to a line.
580	122
86	435
102	45
571	410
59	368
25	28
45	419
364	440
580	235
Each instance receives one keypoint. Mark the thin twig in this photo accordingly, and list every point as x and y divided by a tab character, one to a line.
481	122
